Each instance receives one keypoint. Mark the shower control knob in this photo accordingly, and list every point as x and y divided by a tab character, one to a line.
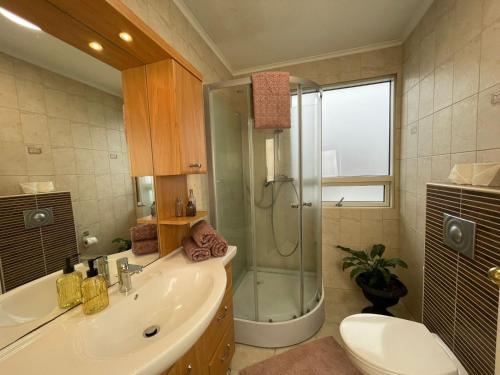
307	204
294	206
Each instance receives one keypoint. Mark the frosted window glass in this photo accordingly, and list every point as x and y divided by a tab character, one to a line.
356	130
361	193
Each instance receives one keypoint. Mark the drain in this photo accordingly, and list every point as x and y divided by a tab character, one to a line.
151	331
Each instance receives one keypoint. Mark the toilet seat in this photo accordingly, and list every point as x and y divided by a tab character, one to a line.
385	345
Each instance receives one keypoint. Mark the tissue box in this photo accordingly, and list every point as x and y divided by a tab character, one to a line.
462	174
486	174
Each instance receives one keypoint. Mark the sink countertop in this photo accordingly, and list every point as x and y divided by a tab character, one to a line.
103	343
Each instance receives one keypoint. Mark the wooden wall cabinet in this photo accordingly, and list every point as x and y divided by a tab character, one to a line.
176	118
213	352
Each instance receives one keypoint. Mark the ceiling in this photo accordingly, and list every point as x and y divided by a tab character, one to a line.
42	49
259	34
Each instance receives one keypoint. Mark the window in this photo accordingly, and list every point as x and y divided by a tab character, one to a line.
357	143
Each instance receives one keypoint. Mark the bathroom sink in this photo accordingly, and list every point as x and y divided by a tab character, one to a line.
143	332
158	309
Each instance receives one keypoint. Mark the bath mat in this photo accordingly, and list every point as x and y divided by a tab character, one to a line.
320	357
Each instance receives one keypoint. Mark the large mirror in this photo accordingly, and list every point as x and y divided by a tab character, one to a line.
65	184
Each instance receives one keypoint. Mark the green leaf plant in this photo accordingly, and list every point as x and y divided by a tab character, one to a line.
375	270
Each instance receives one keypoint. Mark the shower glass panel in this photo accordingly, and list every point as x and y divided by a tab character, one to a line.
266	199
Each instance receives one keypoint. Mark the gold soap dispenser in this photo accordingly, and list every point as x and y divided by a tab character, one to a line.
94	291
69	286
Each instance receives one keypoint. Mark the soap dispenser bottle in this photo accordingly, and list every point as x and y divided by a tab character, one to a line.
94	291
191	206
69	286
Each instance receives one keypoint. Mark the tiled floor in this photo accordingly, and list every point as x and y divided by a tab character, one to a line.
339	303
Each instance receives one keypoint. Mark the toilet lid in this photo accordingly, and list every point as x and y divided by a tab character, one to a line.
395	345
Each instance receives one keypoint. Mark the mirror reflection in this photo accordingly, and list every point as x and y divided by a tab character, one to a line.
65	184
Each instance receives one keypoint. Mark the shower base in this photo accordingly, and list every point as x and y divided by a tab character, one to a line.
280	323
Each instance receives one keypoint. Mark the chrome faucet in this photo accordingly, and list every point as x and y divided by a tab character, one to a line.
103	268
125	271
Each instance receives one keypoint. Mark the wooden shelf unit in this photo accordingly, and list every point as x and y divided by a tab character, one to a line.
184	220
147	220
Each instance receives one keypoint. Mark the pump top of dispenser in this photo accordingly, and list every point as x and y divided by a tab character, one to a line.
92	271
68	267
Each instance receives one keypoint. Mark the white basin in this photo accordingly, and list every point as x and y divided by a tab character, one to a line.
173	293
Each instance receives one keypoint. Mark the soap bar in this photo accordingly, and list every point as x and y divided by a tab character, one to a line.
461	174
486	174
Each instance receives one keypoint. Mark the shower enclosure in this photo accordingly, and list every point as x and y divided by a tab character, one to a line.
265	187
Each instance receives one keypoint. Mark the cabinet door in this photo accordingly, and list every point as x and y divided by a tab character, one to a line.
137	121
191	363
222	358
190	121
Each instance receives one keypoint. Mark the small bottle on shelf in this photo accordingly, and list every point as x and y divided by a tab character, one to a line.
191	206
178	207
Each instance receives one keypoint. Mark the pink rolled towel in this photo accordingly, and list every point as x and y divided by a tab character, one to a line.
143	232
193	251
145	247
203	234
219	248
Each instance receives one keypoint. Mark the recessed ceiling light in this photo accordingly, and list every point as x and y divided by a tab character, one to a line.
95	46
16	19
126	36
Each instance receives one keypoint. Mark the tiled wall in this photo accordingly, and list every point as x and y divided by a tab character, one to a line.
79	130
460	303
27	254
451	69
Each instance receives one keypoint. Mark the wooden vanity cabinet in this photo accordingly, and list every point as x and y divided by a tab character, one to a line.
213	352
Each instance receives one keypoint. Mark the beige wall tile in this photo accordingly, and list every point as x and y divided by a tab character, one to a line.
468	21
101	162
466	71
488	156
10	125
35	128
411	210
8	93
491	11
424	175
425	136
441	131
99	138
114	140
488	121
57	103
96	113
60	132
103	186
9	185
411	175
444	37
463	157
426	101
443	85
490	56
463	127
6	64
30	96
87	189
413	104
40	164
427	54
78	108
117	184
12	159
64	160
84	161
412	141
440	168
69	183
27	71
81	135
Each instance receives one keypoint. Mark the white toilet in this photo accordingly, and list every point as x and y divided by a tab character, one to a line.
383	345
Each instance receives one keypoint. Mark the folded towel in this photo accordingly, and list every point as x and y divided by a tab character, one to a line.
145	247
193	251
203	234
271	100
143	232
219	248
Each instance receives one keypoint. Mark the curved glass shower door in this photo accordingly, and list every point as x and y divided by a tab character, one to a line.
266	199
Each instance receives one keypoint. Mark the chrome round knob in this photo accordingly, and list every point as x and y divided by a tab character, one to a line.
456	233
39	217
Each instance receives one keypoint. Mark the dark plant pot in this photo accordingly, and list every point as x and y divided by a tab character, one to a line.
381	299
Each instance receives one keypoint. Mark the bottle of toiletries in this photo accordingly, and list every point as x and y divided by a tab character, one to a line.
153	209
69	286
94	291
191	206
178	207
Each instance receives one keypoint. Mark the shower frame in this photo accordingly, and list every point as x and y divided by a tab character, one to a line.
279	333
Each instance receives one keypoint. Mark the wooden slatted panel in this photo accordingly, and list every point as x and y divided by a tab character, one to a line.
20	249
460	303
59	239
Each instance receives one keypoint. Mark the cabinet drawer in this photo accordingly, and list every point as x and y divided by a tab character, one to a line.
221	323
222	358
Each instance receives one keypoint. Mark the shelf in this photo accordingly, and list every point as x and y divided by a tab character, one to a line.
184	220
146	220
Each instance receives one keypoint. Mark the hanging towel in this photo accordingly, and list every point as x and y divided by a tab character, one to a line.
193	251
219	248
271	100
203	234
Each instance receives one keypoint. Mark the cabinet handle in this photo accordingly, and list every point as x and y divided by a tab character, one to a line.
223	315
195	165
226	353
189	369
307	204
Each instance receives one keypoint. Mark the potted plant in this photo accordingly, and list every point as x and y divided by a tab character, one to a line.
373	275
123	244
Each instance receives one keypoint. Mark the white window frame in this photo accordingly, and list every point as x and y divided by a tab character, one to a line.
386	181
